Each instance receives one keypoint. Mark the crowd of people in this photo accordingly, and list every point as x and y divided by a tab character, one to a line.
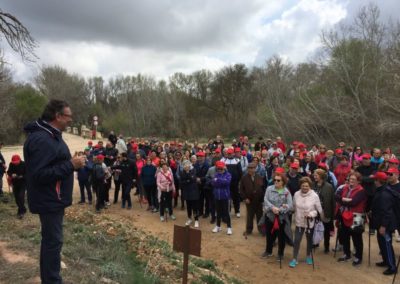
299	187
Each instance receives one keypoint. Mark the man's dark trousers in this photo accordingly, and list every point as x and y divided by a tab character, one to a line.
50	249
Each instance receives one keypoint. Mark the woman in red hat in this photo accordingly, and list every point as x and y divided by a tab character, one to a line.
16	172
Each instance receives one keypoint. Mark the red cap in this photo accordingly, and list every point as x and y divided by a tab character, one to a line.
218	150
392	171
100	157
394	161
323	165
275	154
90	142
237	150
15	159
244	153
380	176
301	145
339	151
219	164
230	151
294	165
366	156
200	154
97	146
280	170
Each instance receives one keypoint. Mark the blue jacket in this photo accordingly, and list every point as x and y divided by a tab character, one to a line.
221	185
49	171
148	175
84	173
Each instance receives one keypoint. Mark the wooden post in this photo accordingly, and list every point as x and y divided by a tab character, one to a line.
186	256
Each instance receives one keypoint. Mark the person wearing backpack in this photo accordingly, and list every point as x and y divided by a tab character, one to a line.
306	204
384	220
326	195
98	181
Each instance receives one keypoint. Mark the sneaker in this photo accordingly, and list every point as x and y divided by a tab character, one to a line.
108	203
216	229
155	210
344	258
172	216
293	263
266	254
309	261
238	215
229	231
188	222
357	262
389	272
162	219
381	264
196	224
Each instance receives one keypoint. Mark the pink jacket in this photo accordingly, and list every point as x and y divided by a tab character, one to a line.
305	204
165	181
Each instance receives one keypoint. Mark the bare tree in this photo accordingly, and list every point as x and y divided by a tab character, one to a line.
17	36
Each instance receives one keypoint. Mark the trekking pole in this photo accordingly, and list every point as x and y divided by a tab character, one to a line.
369	243
280	261
397	268
336	242
310	240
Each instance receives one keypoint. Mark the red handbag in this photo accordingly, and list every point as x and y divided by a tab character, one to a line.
347	217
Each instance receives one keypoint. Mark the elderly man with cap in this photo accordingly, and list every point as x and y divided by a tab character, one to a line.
367	172
201	166
235	169
294	177
252	192
384	220
221	190
16	172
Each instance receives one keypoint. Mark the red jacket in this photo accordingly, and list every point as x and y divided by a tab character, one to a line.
341	172
358	196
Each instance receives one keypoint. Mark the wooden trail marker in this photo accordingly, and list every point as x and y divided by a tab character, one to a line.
188	241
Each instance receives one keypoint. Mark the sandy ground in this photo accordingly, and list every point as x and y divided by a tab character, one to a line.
236	255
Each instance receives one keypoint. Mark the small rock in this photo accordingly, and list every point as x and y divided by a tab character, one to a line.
63	265
107	281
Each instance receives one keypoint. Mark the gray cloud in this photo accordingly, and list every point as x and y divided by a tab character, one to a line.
154	24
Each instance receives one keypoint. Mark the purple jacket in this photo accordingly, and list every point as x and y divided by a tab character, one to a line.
221	185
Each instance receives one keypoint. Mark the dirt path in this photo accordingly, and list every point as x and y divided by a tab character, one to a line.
240	257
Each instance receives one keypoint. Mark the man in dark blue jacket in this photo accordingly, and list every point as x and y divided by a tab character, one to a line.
384	220
50	178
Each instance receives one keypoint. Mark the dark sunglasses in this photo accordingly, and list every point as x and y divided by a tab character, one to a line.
390	174
277	180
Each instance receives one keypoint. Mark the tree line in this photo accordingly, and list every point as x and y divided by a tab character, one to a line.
349	92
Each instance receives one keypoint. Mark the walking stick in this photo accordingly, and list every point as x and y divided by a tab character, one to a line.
309	236
397	268
336	243
280	261
369	244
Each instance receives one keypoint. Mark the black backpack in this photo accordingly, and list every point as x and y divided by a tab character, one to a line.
98	173
396	207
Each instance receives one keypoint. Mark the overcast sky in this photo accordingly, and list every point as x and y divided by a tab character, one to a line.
161	37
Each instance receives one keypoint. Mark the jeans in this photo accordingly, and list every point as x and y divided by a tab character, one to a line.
192	206
166	202
126	193
298	235
19	194
82	185
50	249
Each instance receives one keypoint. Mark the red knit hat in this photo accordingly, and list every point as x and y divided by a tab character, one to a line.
219	164
200	154
380	176
15	159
